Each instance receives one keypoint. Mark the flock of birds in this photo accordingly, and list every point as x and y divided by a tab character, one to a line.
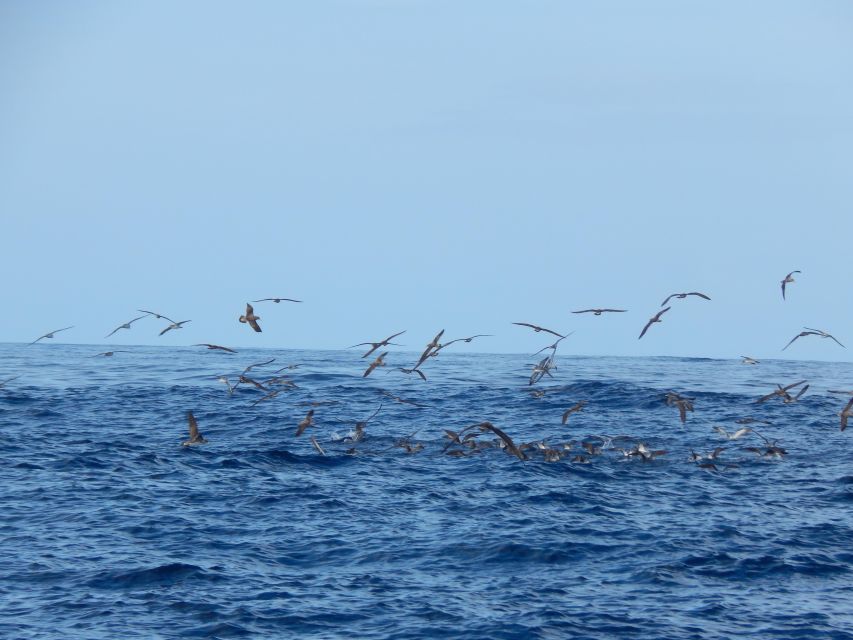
471	440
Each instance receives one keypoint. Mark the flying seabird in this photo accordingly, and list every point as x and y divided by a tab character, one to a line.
277	300
748	360
251	318
358	432
174	325
787	280
598	312
410	371
214	346
375	345
50	335
554	345
684	295
812	332
434	344
537	329
578	407
781	391
108	354
399	399
652	320
126	325
307	421
195	434
379	362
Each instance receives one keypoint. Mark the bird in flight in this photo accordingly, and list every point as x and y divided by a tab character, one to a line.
108	354
737	435
8	380
652	320
214	347
598	312
748	360
578	407
537	329
126	325
375	345
307	421
251	318
781	391
812	332
379	362
195	434
684	295
50	335
174	325
277	300
787	280
434	344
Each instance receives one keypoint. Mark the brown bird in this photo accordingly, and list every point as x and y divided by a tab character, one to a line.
537	329
468	339
684	404
413	370
434	344
598	312
578	407
50	335
400	400
251	318
812	332
195	434
748	360
108	354
126	325
652	320
215	346
787	280
307	421
684	295
361	425
277	300
781	391
174	325
846	413
379	362
375	345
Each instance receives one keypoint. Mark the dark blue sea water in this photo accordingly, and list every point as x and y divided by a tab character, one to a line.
109	528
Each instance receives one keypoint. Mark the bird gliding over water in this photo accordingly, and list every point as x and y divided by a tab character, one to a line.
787	280
250	318
50	335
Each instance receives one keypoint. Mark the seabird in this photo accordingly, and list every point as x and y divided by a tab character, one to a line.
108	354
737	435
214	346
598	312
307	421
379	362
554	345
410	371
652	320
399	399
375	345
434	344
748	360
812	332
251	318
786	280
361	425
684	295
50	335
126	325
277	300
578	407
195	434
781	391
174	325
537	329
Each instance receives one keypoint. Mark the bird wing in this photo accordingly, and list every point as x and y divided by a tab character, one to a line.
793	384
193	425
696	293
169	328
646	328
799	335
668	298
254	324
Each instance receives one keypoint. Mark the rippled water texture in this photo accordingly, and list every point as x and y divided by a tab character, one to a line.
112	529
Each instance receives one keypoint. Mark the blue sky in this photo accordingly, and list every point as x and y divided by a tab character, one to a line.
405	164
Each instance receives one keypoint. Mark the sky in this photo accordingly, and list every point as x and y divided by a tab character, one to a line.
423	165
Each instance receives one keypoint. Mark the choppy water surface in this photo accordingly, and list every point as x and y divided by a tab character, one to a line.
111	529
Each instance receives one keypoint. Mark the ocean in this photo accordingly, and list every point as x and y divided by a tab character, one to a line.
110	528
